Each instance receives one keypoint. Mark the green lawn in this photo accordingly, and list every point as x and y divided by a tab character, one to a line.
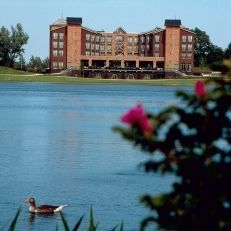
77	80
11	75
10	71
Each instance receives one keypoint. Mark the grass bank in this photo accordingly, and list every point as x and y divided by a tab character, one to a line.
11	75
11	71
77	80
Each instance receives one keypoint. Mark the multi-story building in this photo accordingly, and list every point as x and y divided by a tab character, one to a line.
74	46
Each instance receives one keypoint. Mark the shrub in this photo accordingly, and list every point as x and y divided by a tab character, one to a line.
193	142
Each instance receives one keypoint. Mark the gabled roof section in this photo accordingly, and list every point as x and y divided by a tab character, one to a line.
90	30
153	31
60	22
187	29
172	22
120	30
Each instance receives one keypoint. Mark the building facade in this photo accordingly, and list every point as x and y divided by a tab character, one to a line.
74	46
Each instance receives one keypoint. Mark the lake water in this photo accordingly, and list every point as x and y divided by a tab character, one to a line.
56	144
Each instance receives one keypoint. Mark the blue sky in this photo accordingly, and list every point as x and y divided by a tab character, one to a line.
212	16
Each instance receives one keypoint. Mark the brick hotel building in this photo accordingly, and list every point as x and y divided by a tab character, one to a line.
73	46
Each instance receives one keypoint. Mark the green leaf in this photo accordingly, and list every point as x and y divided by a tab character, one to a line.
114	228
64	221
14	222
78	224
122	226
92	226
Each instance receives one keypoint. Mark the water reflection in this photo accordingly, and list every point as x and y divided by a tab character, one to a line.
57	142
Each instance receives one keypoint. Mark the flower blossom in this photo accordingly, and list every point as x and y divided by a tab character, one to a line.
136	115
200	89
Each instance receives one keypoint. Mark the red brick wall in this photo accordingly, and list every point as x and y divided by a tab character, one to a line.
73	45
58	58
172	51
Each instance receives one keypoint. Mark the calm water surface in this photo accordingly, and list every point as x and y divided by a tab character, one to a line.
56	144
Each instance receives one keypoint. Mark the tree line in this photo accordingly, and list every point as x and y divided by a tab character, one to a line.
205	52
12	49
12	42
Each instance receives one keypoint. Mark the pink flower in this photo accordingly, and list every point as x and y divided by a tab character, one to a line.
200	89
137	115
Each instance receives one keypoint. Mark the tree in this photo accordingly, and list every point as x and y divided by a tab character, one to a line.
205	52
45	63
11	45
202	47
4	45
191	141
215	54
20	64
228	52
37	64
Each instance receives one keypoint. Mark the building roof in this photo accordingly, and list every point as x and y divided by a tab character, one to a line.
155	30
120	30
173	22
72	20
61	21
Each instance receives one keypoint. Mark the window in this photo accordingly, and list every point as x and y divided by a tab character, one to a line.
135	39
55	44
142	47
189	55
102	39
129	49
96	53
55	53
60	65
109	53
157	38
156	54
186	67
61	53
109	47
60	44
92	38
109	39
184	38
55	35
88	53
55	64
136	49
142	39
183	47
189	47
130	39
97	47
88	37
183	55
92	53
92	46
102	47
147	47
97	38
190	38
61	36
147	39
157	47
119	38
88	46
102	53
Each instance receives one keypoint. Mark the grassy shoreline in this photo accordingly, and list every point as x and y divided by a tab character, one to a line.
78	80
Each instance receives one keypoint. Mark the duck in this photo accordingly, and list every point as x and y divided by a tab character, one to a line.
43	209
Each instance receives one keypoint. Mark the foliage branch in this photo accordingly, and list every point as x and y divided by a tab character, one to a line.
193	142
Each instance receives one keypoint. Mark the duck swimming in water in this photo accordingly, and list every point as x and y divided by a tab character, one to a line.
43	209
